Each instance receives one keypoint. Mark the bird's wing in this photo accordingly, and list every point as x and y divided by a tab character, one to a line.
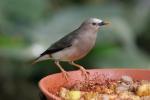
61	44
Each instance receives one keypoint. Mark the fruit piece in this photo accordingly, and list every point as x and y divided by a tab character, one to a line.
127	79
73	95
144	90
63	92
91	96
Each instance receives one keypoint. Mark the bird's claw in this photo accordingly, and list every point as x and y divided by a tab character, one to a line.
85	73
65	74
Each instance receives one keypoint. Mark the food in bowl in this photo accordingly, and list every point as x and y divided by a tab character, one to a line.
126	88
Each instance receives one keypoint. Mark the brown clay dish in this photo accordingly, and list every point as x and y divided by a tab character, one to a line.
51	84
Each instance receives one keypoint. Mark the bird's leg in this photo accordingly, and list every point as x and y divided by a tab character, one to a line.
63	71
84	71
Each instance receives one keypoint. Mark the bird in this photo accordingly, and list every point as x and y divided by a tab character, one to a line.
74	46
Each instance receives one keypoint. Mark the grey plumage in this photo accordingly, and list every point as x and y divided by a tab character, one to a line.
61	44
67	41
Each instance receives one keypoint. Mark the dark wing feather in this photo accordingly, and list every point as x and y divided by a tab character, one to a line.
61	44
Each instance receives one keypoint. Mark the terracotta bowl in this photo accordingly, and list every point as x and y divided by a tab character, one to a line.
51	84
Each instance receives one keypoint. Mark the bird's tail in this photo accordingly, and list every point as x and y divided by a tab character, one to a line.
34	61
40	58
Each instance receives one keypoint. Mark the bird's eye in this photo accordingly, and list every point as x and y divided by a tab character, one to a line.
93	23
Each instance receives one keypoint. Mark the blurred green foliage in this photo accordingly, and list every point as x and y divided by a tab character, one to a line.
28	27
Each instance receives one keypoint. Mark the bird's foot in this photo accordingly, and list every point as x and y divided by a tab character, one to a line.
65	74
85	73
83	70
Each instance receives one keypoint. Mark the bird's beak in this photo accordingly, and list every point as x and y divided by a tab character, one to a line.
103	23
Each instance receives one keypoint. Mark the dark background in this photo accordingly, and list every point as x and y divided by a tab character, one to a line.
28	27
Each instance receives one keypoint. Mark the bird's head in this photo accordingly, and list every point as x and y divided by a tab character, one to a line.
93	23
